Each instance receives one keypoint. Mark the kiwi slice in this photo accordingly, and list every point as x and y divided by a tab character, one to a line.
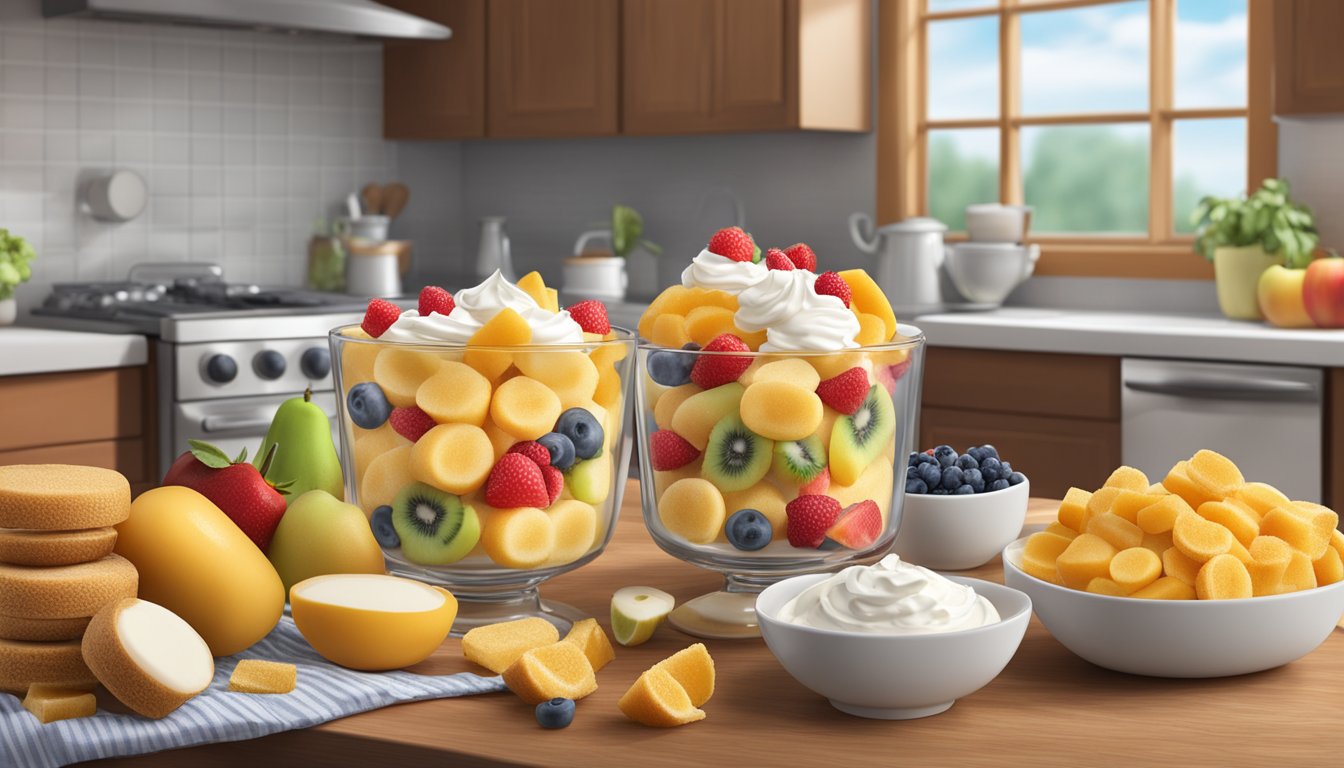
799	461
735	457
435	527
859	438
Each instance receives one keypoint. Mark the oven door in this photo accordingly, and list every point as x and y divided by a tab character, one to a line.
232	423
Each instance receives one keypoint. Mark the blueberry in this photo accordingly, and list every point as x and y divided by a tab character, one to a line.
561	449
953	477
582	430
556	713
989	450
368	405
1005	469
998	485
915	485
973	478
967	461
963	490
1016	478
383	532
976	452
913	460
945	454
931	475
940	492
748	530
671	369
990	468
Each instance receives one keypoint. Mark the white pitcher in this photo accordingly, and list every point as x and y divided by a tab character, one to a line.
492	253
908	256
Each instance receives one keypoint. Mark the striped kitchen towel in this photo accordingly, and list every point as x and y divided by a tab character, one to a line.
324	692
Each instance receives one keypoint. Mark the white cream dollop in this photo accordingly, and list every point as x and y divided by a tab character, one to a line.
474	307
889	597
794	316
710	270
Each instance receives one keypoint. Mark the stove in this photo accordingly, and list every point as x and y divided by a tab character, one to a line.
227	354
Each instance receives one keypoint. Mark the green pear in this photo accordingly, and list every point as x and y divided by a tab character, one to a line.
320	534
305	458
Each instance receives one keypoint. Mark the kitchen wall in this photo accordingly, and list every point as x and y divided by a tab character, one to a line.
1311	157
245	139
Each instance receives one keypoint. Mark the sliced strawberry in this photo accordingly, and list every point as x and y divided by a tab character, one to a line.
435	299
668	450
817	485
380	316
712	371
532	450
555	482
802	256
733	243
846	392
516	481
857	527
591	316
775	259
411	423
809	517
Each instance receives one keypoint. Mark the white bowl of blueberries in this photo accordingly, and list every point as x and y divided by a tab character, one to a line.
960	509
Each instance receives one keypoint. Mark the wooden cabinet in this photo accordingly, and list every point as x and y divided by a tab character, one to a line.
102	418
1308	57
552	68
436	90
1054	417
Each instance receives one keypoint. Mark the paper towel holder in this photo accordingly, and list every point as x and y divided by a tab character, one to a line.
117	196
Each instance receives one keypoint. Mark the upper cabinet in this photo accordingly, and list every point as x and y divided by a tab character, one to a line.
1308	57
552	68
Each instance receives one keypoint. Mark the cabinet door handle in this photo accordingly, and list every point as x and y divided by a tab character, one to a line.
1258	390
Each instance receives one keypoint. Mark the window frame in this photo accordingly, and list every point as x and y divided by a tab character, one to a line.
903	130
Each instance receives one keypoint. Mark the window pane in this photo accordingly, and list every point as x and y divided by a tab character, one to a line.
963	169
1211	53
1090	59
955	5
964	68
1208	158
1087	178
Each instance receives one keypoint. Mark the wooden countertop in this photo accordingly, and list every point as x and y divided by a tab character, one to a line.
1048	707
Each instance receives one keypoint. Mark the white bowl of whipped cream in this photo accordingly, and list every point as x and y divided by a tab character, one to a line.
892	641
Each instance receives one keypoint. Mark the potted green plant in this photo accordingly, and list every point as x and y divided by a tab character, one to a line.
630	265
1243	236
15	257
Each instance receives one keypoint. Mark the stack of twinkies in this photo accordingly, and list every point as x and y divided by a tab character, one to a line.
771	400
1203	532
472	446
57	570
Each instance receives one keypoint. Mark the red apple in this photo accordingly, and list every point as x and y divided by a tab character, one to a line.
235	486
1280	294
1323	292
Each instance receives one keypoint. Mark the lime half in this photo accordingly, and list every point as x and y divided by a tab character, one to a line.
637	611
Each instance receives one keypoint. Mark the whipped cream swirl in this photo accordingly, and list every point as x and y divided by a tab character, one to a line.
710	270
889	597
474	307
795	317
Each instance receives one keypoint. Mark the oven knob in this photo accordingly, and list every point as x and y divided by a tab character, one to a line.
269	364
221	369
316	363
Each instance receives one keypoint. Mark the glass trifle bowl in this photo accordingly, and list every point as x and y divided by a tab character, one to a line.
790	463
486	468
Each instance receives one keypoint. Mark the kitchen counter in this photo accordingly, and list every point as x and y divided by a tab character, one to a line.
1184	336
1048	707
39	350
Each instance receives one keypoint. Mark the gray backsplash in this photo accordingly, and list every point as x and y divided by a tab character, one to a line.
1311	156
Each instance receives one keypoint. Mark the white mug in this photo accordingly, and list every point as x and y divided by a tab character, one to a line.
596	277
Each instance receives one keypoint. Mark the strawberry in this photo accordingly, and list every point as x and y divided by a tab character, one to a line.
435	299
534	451
235	486
809	517
411	423
857	527
831	284
802	256
733	243
888	375
668	450
817	485
380	316
555	482
591	316
516	481
775	259
846	392
712	371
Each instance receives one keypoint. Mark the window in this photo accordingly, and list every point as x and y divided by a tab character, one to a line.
1111	118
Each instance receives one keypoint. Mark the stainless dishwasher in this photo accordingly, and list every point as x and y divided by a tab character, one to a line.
1266	418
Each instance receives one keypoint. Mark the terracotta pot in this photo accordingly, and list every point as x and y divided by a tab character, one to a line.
1236	275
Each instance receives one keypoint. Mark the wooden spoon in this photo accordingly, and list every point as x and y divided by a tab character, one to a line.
374	197
395	197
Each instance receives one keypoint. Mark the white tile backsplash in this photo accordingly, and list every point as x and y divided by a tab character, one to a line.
245	139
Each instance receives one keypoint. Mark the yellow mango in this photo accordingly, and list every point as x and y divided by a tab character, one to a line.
867	297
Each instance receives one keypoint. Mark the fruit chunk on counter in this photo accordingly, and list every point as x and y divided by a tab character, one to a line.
636	612
497	646
257	676
558	670
50	703
1202	533
588	635
671	692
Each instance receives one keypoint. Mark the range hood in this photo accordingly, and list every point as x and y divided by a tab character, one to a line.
363	18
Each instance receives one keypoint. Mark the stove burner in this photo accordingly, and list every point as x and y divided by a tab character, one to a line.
182	296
